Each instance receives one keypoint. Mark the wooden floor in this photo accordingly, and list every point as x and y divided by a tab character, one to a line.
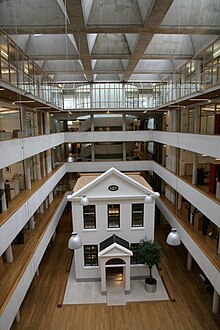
42	308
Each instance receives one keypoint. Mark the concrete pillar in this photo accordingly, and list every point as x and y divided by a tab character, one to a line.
23	119
9	254
48	161
54	235
32	223
92	123
195	166
18	317
50	197
27	173
215	302
38	166
219	243
2	186
41	208
189	261
192	210
46	203
197	119
179	202
124	126
37	271
93	151
124	151
47	123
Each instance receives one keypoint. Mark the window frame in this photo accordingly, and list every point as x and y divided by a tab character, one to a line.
139	223
91	220
115	214
90	256
134	258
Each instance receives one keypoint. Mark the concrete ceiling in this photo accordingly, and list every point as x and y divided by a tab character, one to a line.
111	40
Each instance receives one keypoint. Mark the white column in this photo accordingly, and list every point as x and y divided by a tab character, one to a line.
189	261
27	174
124	151
41	208
197	119
192	209
126	269
18	317
215	302
124	122
37	271
32	223
195	166
9	254
92	123
50	197
2	186
93	151
38	166
219	243
48	161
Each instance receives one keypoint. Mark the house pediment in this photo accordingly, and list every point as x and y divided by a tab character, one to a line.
115	250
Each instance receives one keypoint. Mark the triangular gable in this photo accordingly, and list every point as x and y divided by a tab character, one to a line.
115	250
112	171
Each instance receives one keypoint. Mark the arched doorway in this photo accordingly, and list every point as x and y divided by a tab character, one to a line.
115	270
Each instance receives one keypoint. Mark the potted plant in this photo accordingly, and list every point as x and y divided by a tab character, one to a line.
149	253
202	173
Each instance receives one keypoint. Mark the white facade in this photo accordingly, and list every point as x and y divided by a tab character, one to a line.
97	191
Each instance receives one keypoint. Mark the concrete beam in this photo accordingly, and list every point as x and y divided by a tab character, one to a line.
154	19
75	14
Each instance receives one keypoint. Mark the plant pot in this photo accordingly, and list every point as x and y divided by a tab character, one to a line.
150	284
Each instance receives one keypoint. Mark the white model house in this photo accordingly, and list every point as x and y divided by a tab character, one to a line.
119	214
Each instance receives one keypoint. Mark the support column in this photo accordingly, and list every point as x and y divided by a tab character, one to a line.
9	254
50	197
93	151
2	186
192	210
189	261
27	173
32	223
219	243
124	126
92	122
215	302
195	166
18	317
41	208
196	119
124	151
48	161
37	271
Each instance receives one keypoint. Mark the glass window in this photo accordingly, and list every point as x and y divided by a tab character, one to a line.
137	215
134	258
90	255
114	216
89	216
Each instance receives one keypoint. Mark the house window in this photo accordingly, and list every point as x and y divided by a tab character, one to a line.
114	216
134	258
89	217
90	255
137	215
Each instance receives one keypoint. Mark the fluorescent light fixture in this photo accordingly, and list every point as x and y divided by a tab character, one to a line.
26	70
199	99
4	54
204	155
38	35
2	89
216	53
217	158
24	101
42	107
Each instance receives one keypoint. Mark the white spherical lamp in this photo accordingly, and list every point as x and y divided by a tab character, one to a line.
74	242
173	238
84	201
148	199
